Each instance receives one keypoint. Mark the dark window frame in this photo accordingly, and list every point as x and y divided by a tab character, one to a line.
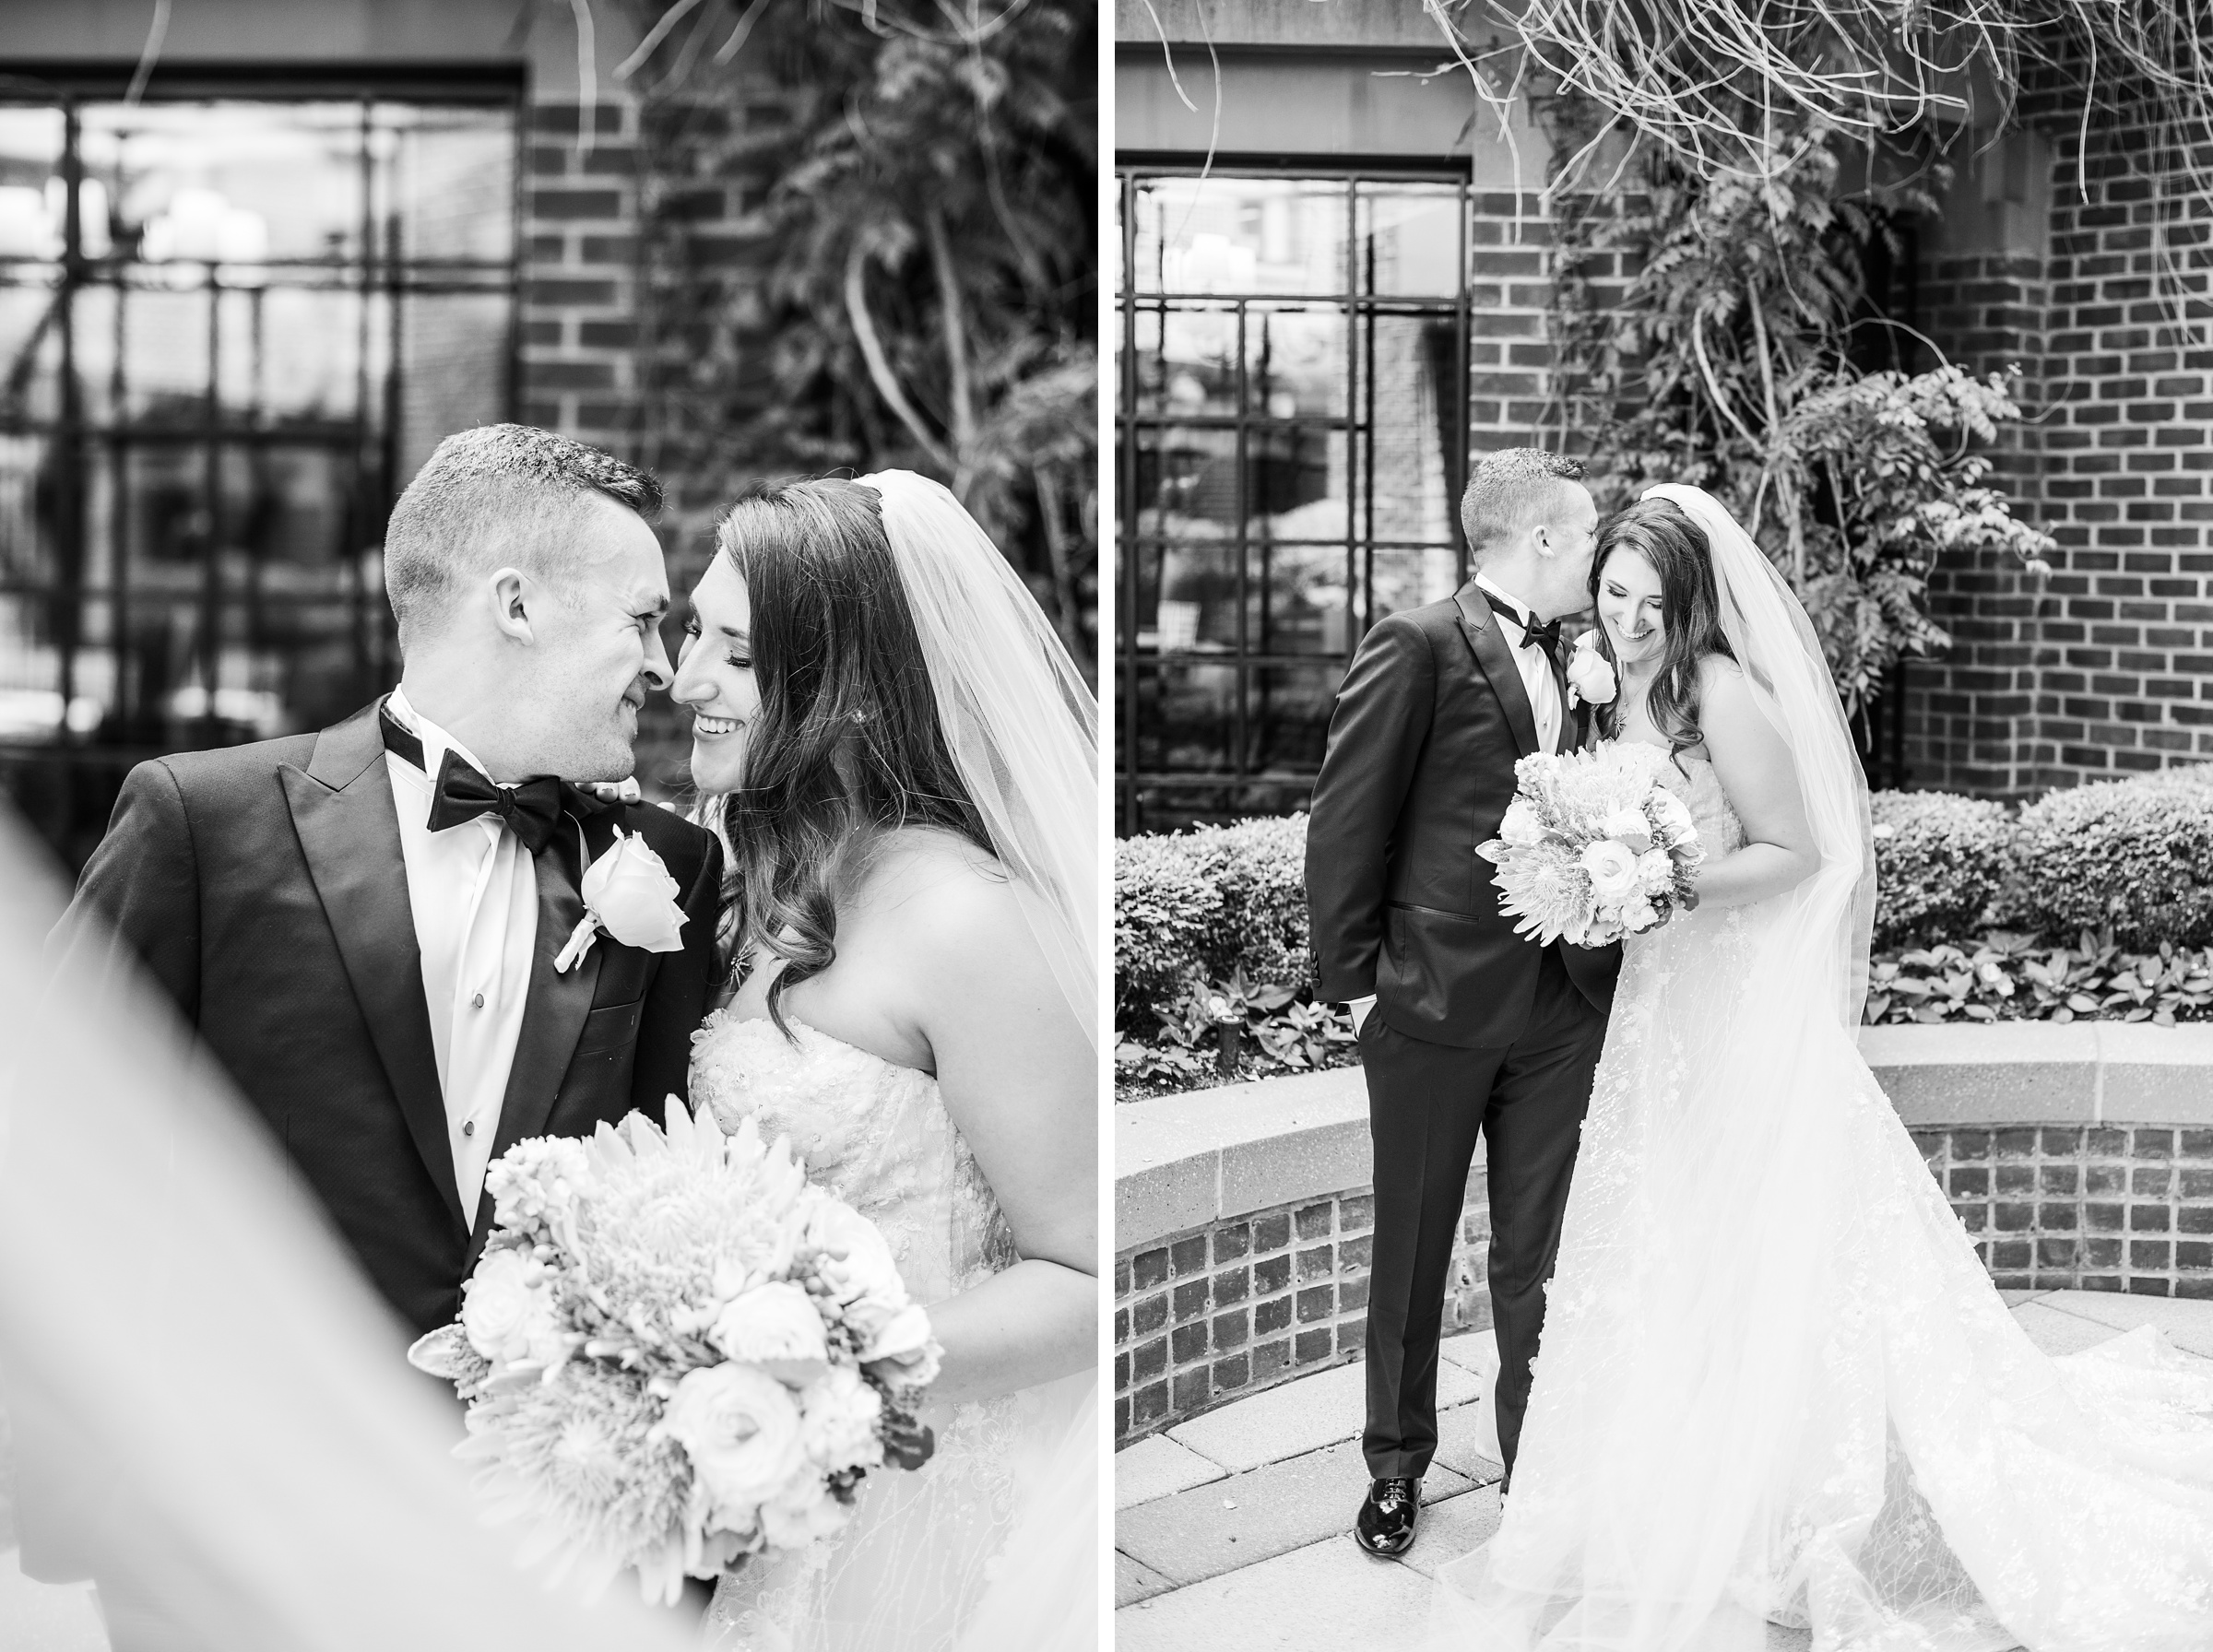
64	784
1153	798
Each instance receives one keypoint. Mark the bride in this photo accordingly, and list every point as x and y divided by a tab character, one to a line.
900	758
1776	1386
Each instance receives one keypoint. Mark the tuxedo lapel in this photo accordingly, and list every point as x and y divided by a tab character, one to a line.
1497	658
554	1012
343	814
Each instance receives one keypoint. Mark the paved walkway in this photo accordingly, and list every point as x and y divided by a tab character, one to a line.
1233	1530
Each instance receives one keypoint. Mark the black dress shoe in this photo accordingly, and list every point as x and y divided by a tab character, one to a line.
1387	1517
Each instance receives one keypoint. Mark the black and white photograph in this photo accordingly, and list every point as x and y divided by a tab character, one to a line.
1662	691
551	819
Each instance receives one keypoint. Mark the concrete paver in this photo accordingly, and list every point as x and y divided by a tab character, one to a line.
1239	1521
1159	1467
1279	1571
2188	1324
1467	1442
1135	1581
2056	1332
1325	1594
1299	1416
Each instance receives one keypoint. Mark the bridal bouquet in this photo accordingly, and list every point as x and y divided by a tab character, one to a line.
1593	847
677	1351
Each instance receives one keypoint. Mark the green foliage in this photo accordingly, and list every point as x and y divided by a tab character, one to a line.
916	286
1725	366
1277	1034
1888	462
1939	857
1205	903
2009	977
2135	856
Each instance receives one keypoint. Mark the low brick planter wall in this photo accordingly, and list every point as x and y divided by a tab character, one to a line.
2081	1157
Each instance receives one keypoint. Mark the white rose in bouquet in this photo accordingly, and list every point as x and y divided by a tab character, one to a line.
1612	868
904	1344
1629	827
742	1430
1673	818
508	1315
774	1327
837	1420
1521	825
856	1263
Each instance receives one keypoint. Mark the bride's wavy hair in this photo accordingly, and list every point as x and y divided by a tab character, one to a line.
1690	608
846	745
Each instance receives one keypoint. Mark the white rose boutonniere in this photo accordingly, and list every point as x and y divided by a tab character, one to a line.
628	894
1589	678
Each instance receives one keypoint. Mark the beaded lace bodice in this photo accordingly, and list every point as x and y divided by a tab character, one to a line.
875	1133
922	1548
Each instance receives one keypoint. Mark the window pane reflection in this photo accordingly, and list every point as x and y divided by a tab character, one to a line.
1186	715
1289	715
1408	238
1297	417
1221	234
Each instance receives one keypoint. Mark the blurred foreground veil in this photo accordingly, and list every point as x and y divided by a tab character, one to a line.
211	1408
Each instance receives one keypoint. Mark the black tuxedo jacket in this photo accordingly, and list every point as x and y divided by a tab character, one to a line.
1429	722
263	886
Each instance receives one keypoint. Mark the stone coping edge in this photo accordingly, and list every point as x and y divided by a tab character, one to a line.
1182	1161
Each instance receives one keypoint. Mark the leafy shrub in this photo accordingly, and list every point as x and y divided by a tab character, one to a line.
2135	856
1166	913
1205	903
1939	860
2010	977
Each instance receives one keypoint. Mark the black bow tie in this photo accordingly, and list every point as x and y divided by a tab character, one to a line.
531	809
1545	638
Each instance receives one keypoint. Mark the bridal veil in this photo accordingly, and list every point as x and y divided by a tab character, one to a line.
210	1403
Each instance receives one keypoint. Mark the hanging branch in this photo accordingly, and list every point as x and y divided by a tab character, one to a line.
879	365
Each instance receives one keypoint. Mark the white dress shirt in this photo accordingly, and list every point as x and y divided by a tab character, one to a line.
1537	670
1543	703
473	889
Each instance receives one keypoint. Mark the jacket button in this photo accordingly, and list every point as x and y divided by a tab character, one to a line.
477	1002
469	1127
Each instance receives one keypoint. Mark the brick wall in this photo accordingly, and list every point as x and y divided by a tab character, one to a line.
2105	668
580	308
1209	1315
2084	1207
1204	1316
589	318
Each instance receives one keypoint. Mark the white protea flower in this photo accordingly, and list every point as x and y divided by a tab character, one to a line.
581	1462
1547	889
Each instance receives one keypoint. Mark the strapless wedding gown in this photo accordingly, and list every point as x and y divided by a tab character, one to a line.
1777	1386
917	1568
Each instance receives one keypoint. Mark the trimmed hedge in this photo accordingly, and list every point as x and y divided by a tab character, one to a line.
2134	857
1204	901
1939	858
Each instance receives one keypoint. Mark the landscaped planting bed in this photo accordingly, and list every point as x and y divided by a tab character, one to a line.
2094	902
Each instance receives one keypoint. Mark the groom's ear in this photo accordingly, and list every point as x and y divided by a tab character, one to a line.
511	595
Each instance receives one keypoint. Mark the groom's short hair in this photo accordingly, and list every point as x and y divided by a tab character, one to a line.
1510	491
498	495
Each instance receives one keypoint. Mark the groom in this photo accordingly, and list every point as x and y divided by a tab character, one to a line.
363	925
1464	1026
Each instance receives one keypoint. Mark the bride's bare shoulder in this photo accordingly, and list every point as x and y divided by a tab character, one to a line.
943	896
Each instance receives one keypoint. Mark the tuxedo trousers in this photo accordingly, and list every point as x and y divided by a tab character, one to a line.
1427	1103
